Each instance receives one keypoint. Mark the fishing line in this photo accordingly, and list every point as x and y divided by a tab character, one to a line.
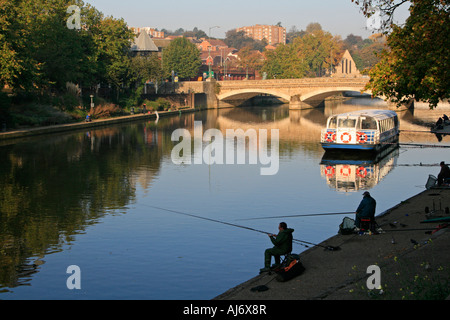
419	145
301	242
299	215
415	145
414	229
415	131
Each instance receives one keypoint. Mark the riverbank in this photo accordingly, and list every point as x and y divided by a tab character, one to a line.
414	263
27	132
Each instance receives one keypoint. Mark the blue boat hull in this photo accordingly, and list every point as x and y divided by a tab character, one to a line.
336	146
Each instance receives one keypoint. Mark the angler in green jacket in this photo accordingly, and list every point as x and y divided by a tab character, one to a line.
282	245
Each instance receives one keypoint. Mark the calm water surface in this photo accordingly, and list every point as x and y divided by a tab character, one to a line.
88	198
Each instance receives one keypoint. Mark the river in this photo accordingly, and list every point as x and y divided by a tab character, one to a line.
136	225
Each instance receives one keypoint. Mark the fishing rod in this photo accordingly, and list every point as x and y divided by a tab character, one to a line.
301	242
411	229
299	215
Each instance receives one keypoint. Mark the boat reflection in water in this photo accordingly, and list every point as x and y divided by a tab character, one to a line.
349	171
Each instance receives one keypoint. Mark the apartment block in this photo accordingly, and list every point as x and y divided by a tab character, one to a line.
150	31
273	34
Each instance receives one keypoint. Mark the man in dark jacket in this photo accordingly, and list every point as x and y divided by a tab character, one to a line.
282	245
444	173
366	209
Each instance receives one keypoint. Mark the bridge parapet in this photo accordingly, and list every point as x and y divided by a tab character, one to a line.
297	92
300	93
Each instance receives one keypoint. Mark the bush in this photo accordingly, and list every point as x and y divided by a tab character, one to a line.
160	104
163	104
106	110
37	115
69	102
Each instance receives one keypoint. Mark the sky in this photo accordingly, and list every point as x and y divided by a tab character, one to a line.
339	17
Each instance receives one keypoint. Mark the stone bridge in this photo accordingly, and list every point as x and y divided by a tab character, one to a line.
299	93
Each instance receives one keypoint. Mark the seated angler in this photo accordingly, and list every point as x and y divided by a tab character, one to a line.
282	245
366	209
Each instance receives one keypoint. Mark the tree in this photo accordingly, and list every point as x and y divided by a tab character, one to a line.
39	52
365	52
294	33
386	9
182	57
321	49
251	59
239	40
143	68
18	69
57	48
416	64
113	43
310	55
285	62
313	27
195	33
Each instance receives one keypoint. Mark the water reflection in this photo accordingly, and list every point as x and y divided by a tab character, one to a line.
353	172
56	187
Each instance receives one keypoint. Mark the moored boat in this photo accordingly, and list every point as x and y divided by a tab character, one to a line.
370	130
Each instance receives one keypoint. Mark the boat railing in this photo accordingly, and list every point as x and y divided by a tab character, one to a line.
328	135
367	136
363	136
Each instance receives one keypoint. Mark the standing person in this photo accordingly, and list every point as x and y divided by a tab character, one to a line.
444	173
366	209
282	245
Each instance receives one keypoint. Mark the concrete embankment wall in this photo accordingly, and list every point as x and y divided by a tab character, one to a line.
85	125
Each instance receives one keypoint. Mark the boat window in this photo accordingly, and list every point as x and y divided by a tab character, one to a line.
368	123
332	123
347	123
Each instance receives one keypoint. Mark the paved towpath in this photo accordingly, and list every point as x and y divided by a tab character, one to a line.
413	263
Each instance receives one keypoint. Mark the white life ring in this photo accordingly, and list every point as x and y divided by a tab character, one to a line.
346	137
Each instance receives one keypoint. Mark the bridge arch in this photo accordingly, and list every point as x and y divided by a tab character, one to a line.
320	95
250	93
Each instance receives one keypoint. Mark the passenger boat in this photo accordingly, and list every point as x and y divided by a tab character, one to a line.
371	130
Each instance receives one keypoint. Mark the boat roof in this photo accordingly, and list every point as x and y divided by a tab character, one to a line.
374	113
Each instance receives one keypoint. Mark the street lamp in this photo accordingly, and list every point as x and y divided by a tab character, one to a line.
92	101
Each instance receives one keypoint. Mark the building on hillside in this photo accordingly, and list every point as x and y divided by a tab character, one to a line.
211	45
272	34
270	47
346	67
173	37
152	32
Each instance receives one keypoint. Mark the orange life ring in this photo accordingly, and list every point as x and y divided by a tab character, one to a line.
348	172
330	136
361	172
346	140
361	137
329	171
